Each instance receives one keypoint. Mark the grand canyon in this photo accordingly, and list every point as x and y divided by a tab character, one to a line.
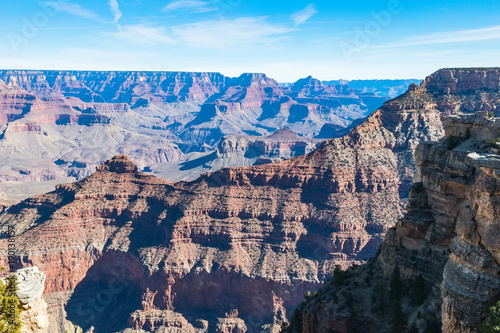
58	126
271	189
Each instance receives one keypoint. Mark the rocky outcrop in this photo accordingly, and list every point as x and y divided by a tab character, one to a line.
130	250
448	237
119	164
30	284
452	81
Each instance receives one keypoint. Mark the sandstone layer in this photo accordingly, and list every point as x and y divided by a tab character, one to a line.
126	250
449	237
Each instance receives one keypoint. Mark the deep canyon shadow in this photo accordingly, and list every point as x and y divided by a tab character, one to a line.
108	294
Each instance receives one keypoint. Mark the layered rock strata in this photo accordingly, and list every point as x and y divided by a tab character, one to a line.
448	237
247	240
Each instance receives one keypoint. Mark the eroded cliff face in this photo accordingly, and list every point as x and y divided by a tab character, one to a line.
448	237
211	245
235	248
30	287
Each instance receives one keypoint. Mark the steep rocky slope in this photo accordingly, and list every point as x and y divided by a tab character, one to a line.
235	248
229	233
449	237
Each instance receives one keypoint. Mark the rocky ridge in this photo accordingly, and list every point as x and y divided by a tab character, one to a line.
246	240
448	237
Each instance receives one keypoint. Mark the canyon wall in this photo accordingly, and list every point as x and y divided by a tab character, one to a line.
449	237
239	247
58	126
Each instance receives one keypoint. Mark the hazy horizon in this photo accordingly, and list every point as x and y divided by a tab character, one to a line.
232	76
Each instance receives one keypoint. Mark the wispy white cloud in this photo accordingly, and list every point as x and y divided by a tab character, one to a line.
115	10
457	36
197	6
73	9
226	33
143	34
302	16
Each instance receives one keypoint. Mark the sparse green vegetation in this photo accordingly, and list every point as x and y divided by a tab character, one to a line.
492	324
296	321
491	115
284	326
349	300
433	326
418	187
396	285
397	321
413	328
9	306
468	134
380	293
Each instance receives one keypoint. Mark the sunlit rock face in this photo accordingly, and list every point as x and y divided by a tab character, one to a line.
235	249
449	236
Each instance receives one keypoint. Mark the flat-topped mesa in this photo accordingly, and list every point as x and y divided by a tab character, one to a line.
462	80
119	164
254	79
285	134
308	83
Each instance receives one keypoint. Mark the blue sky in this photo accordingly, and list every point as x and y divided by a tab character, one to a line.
285	39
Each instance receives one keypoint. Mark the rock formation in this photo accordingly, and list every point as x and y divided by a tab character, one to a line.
237	151
30	284
449	237
152	117
118	87
45	141
126	250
